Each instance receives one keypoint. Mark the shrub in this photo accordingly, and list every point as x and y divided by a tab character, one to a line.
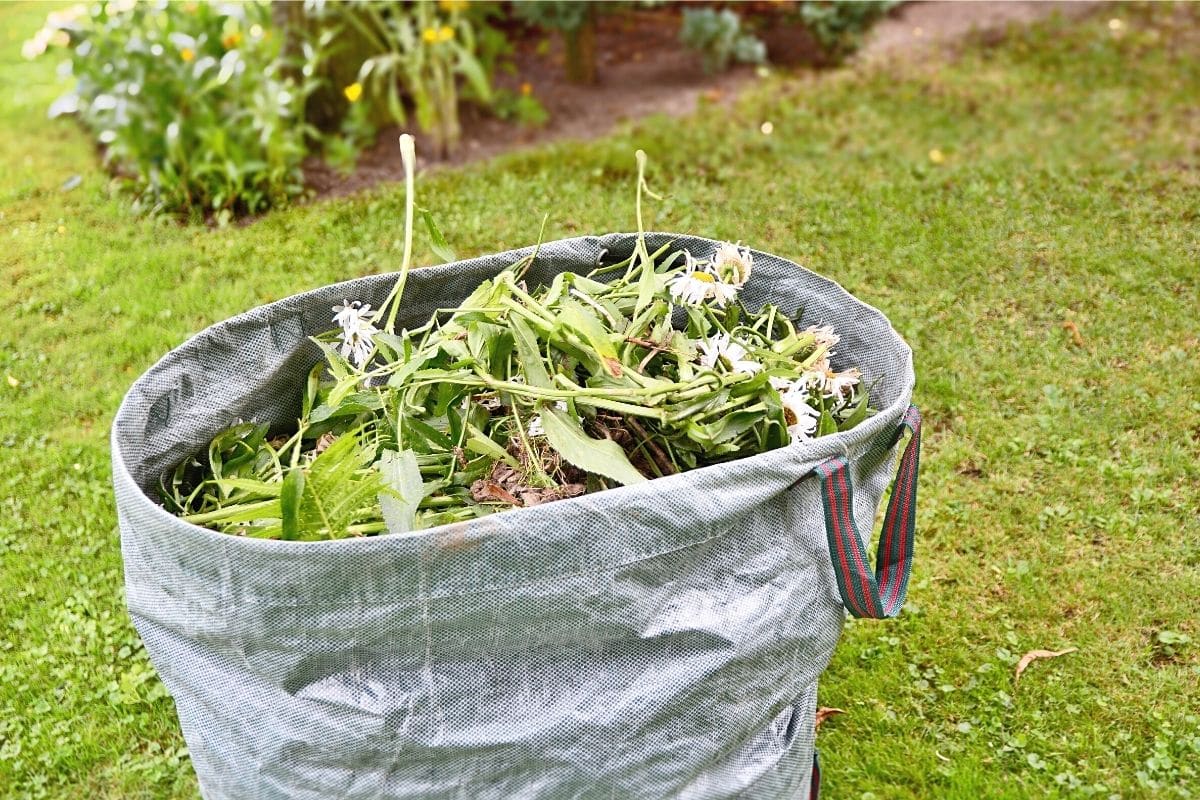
838	27
417	51
196	107
576	21
720	39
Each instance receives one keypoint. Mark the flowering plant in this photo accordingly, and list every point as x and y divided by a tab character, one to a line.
196	105
418	50
526	394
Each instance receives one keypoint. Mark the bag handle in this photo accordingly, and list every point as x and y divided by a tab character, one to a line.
881	594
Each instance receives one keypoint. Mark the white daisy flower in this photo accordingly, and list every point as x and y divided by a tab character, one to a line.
697	283
694	284
733	264
723	292
823	335
356	348
535	425
353	315
723	349
801	417
357	331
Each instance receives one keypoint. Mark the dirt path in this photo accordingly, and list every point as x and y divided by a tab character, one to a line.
643	70
925	25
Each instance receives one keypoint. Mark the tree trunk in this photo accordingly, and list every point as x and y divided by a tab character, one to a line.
581	50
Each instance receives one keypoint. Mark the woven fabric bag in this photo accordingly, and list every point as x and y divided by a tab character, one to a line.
660	640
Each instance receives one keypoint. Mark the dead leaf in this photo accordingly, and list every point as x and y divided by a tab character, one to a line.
1073	329
484	490
613	366
1034	655
824	713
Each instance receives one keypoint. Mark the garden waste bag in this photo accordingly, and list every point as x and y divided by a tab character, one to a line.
658	640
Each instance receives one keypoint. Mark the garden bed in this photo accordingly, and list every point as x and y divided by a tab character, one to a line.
643	69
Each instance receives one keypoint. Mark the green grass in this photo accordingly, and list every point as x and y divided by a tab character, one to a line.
1061	490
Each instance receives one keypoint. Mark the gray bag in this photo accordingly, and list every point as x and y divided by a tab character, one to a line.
660	640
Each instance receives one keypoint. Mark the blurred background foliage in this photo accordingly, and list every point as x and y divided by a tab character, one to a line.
207	110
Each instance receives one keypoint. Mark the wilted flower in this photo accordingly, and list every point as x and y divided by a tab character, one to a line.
357	331
823	336
839	384
733	264
723	349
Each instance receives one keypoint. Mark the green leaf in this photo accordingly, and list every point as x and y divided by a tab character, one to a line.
437	242
529	354
290	496
249	486
403	490
827	424
857	415
480	442
601	456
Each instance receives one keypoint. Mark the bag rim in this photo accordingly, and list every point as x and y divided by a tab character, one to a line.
801	457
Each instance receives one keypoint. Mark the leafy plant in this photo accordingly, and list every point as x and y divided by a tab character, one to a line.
839	26
575	20
524	395
420	51
720	39
522	107
194	104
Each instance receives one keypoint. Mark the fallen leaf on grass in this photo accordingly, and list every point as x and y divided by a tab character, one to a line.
1034	655
825	713
1073	329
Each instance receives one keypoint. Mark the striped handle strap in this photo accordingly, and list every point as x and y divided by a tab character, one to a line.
881	594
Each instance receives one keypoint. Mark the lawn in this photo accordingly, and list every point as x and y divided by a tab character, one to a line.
1044	264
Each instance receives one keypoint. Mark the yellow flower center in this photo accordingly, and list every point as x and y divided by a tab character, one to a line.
187	54
703	276
445	34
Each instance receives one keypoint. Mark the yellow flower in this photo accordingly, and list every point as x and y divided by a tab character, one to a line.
445	33
231	40
527	88
937	156
353	92
453	6
429	35
187	54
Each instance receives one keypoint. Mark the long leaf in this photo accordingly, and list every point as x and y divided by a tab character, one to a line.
601	456
290	496
437	241
529	354
403	490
